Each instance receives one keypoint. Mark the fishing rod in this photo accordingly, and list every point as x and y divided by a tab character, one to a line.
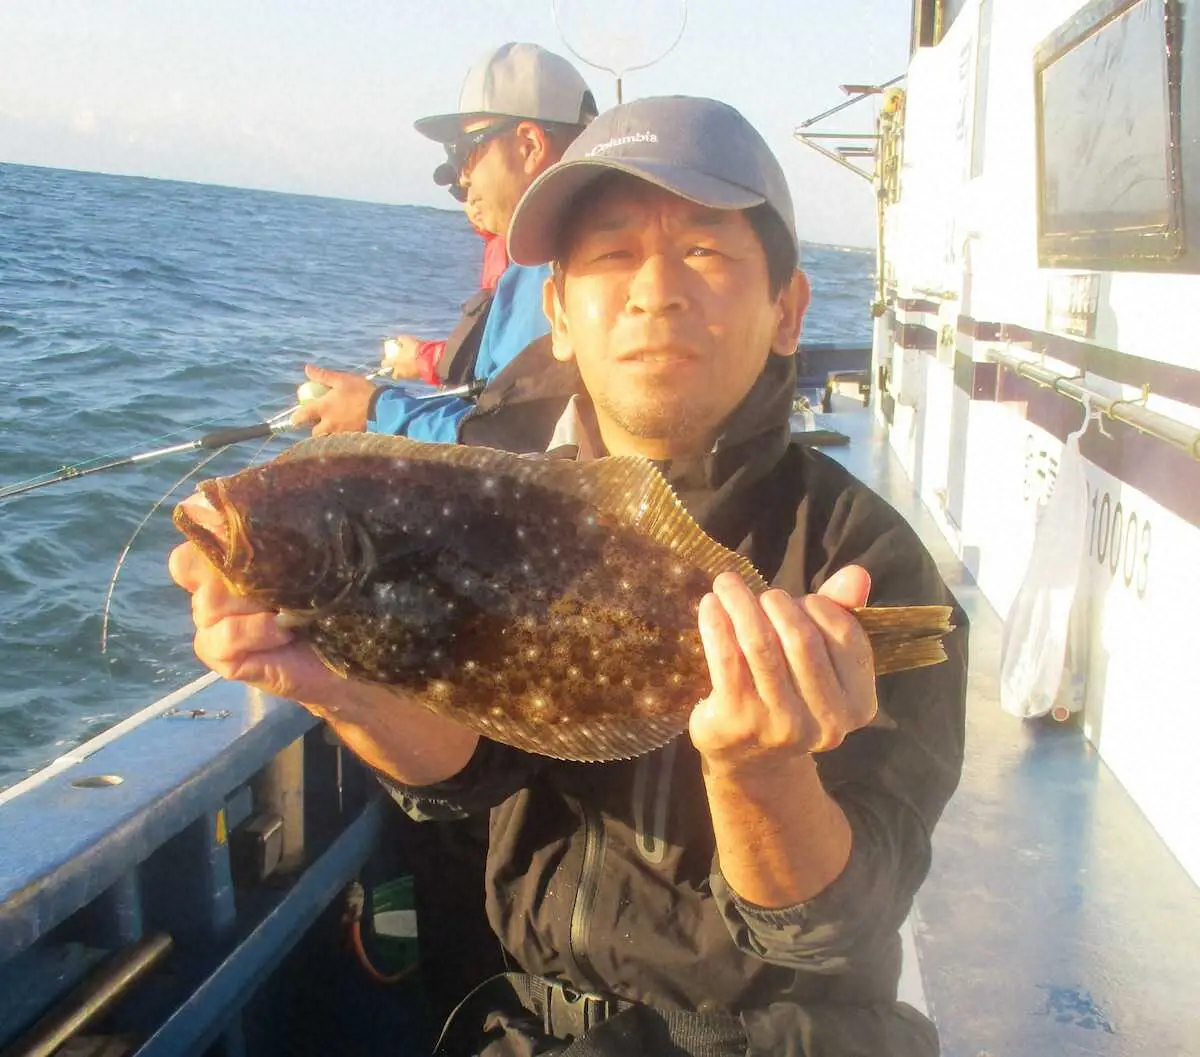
217	439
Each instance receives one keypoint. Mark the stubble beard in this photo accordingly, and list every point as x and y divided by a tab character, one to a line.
657	414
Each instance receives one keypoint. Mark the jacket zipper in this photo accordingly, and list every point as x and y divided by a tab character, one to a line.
585	894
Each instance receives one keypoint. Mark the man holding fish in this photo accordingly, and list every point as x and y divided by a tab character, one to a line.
735	890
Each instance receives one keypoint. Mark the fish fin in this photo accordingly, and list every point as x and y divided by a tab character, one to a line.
882	622
578	742
296	618
631	490
338	669
388	446
906	637
903	655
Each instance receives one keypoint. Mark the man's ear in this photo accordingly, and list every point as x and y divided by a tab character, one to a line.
791	306
560	332
534	147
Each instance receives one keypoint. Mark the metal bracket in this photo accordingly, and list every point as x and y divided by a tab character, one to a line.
195	713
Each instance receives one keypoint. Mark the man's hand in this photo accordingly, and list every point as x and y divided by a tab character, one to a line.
790	676
341	410
400	358
239	640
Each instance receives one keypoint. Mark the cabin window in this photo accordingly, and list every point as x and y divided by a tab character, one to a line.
1114	159
924	20
932	18
948	11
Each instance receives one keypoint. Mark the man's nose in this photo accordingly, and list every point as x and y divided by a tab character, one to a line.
658	286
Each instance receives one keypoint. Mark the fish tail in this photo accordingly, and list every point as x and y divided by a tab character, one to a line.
906	637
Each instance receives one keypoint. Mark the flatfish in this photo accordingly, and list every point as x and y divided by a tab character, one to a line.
546	604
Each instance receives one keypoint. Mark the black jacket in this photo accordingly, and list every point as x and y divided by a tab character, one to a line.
605	876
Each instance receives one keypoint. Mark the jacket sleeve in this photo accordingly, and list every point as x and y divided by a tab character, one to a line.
428	354
490	777
432	419
892	779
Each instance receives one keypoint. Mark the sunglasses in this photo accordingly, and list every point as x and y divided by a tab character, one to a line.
460	150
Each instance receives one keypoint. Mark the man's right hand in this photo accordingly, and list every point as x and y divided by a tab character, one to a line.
240	640
343	409
400	358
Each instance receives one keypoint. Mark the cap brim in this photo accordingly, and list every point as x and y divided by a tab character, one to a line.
534	232
446	128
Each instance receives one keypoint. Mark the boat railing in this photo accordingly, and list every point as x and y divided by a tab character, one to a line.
1130	412
152	881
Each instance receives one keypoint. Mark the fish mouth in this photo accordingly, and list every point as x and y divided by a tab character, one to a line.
213	523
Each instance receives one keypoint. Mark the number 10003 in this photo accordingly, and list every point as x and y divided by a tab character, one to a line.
1119	541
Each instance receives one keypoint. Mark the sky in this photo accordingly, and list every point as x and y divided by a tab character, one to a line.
319	96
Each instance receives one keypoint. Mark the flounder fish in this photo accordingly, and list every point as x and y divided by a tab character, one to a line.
549	605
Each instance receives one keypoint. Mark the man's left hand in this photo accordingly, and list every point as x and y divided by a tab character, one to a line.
789	676
343	409
400	358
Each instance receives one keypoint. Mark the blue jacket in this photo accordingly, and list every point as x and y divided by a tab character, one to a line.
516	319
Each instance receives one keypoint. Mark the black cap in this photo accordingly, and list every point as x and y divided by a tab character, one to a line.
699	149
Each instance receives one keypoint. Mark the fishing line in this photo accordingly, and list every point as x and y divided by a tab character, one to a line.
112	583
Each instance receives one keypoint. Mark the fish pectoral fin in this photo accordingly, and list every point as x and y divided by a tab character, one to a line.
300	618
296	618
337	669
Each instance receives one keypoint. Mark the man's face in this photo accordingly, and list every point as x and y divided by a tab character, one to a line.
666	309
499	170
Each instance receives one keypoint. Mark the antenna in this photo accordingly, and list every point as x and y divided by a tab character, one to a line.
620	36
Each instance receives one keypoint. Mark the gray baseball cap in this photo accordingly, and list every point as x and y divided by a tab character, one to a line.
516	80
699	149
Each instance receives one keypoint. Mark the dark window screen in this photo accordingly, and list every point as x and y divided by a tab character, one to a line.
1109	179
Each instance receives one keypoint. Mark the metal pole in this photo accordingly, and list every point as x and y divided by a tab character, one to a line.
803	138
858	98
1129	412
91	998
279	788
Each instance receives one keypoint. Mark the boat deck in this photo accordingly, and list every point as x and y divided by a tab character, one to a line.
1055	921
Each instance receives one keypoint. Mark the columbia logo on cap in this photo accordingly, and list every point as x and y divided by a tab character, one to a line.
621	141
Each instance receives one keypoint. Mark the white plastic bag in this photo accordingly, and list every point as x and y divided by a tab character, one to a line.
1033	657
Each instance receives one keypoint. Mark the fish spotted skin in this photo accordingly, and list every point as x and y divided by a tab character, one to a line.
496	598
548	605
